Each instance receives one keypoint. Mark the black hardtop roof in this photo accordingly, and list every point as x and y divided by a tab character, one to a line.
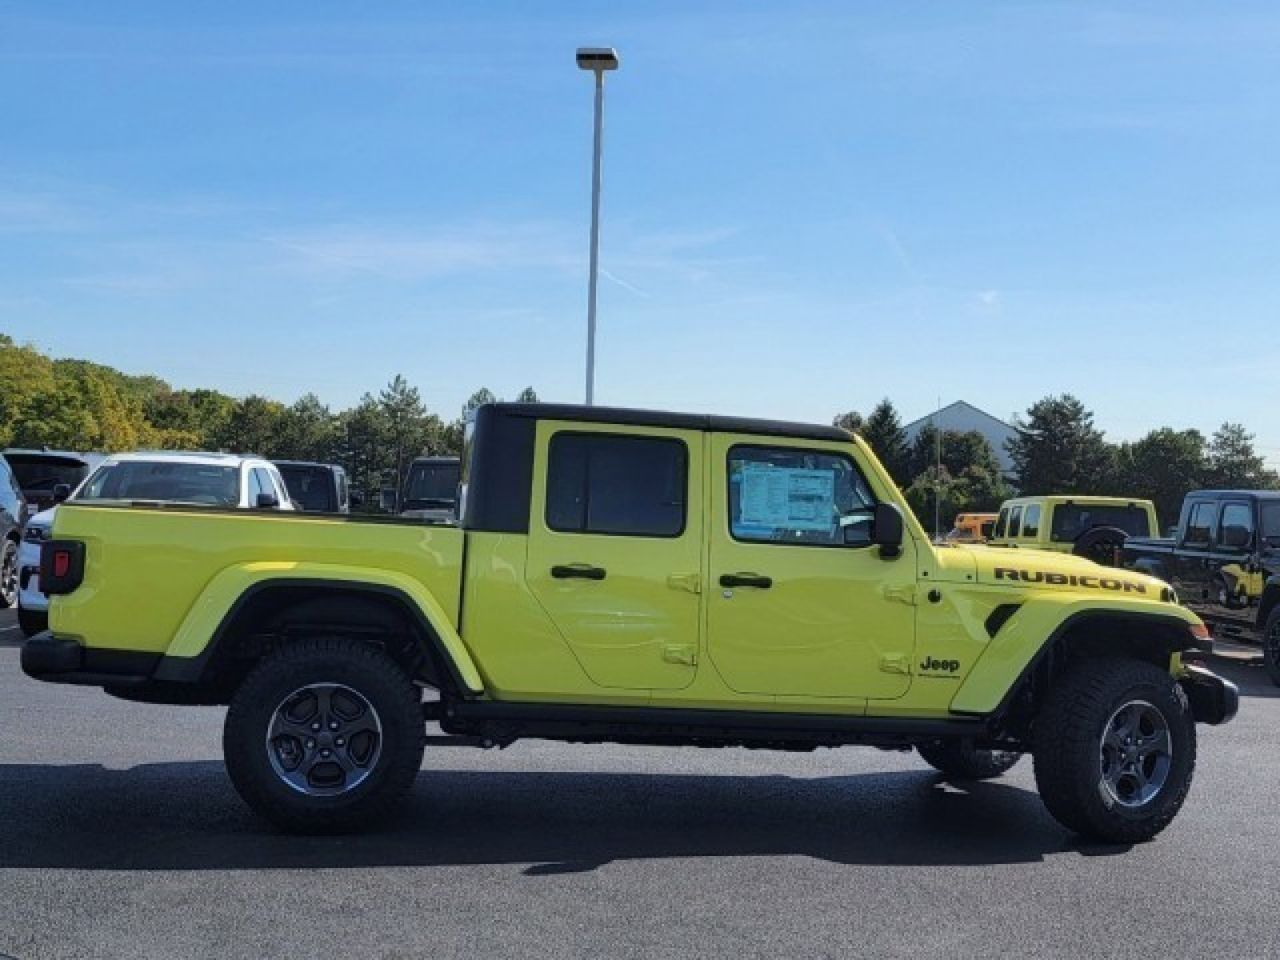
663	418
1246	494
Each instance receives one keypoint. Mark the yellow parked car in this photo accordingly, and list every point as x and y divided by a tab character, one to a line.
1091	527
636	577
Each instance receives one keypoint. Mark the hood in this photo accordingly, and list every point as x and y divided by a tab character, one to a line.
1043	569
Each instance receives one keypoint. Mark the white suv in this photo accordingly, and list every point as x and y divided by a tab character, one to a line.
215	480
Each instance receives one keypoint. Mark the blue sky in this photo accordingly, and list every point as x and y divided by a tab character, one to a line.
807	206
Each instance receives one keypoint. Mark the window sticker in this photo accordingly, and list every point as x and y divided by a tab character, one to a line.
788	498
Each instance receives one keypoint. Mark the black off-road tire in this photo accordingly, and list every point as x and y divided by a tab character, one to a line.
324	661
1068	735
1271	645
961	760
32	622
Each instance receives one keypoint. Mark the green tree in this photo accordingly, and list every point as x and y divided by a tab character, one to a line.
253	427
1164	466
411	431
1233	462
850	420
968	480
1058	450
883	432
308	431
527	395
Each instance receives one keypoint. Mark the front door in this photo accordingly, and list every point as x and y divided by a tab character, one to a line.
1193	559
615	549
791	609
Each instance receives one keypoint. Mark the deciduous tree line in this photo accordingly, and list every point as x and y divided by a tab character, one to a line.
1058	449
77	405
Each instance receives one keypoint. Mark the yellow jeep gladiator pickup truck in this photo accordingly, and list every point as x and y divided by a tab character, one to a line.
633	577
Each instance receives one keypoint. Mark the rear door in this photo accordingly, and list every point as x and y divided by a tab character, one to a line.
615	549
791	609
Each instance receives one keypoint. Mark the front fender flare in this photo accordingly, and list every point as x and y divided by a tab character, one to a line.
197	637
1034	630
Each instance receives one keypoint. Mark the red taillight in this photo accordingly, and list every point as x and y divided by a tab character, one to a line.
61	563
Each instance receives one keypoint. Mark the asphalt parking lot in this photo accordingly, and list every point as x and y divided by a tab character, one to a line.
120	836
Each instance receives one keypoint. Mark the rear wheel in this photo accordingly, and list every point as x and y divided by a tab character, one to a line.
324	735
1271	646
962	760
1115	748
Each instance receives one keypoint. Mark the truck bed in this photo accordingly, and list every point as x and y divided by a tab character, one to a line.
161	560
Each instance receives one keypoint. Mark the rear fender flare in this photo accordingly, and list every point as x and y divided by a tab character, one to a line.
204	626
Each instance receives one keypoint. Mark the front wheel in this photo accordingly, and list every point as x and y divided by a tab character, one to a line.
1115	748
963	761
1271	646
324	735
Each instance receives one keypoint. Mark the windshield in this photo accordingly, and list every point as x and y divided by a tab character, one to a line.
1269	511
202	483
432	485
1070	520
36	473
310	488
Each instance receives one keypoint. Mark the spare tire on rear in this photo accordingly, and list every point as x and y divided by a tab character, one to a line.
1101	545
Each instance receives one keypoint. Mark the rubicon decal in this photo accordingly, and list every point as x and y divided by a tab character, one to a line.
1070	580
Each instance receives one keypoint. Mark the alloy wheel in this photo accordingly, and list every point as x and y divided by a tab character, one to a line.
324	739
1136	752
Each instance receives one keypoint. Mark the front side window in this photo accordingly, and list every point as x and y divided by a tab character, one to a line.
620	485
1031	521
1015	521
804	497
1200	523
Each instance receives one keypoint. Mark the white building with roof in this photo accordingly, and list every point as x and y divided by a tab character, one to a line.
962	417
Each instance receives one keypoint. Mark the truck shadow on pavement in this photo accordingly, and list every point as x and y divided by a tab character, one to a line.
185	816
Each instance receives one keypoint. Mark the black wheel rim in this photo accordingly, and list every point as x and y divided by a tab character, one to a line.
1136	754
324	739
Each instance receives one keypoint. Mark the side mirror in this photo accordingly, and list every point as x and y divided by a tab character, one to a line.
1236	537
61	491
886	530
267	501
355	499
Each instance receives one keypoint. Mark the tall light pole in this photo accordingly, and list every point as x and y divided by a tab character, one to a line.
597	60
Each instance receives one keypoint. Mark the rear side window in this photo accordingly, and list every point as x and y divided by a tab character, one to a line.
1073	520
1200	523
625	486
1031	521
1240	516
1015	521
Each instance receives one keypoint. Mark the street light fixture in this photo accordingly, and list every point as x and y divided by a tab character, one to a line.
597	60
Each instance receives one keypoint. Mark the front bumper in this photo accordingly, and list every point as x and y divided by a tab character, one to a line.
1214	699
